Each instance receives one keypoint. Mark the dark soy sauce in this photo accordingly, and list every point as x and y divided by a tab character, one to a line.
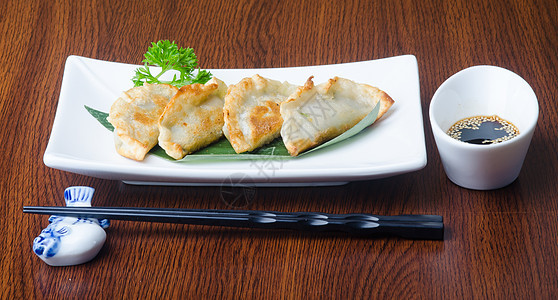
483	130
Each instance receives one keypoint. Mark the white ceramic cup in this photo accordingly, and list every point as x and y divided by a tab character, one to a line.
483	90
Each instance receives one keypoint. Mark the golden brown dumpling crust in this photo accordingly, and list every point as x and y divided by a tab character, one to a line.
251	112
193	118
135	115
316	114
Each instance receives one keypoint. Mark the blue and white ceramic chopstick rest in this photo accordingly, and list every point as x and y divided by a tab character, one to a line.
68	240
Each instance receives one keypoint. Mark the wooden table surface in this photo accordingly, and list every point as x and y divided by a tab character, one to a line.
497	244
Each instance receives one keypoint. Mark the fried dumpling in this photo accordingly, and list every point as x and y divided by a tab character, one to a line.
316	114
193	118
251	111
135	115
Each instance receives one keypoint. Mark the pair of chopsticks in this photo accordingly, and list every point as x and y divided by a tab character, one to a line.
429	227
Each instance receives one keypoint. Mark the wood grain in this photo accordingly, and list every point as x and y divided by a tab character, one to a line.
498	244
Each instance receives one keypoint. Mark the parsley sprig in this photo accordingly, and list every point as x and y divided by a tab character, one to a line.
168	56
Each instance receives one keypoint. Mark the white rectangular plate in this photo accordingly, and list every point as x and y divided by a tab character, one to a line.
393	145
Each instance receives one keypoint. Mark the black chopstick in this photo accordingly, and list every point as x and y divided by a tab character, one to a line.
406	226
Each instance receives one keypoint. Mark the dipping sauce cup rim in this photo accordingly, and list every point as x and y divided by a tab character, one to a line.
437	130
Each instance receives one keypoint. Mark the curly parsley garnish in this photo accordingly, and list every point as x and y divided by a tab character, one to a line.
168	56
